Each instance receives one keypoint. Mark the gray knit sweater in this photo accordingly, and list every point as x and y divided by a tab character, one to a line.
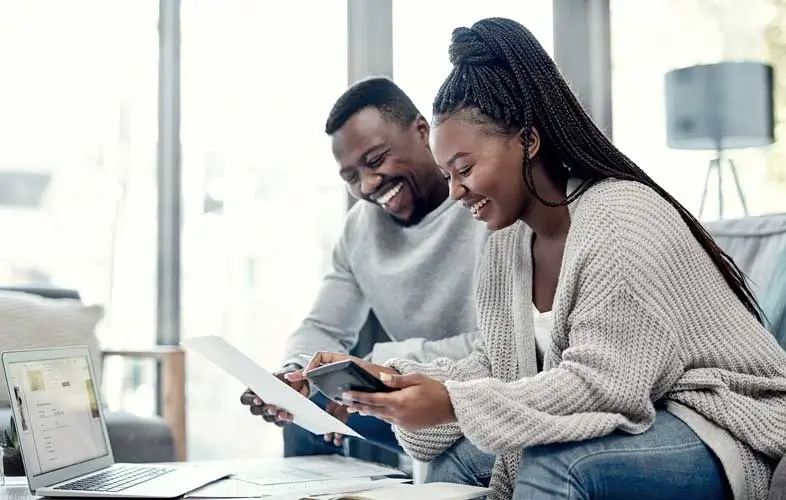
641	314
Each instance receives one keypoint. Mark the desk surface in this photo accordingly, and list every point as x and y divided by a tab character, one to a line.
265	471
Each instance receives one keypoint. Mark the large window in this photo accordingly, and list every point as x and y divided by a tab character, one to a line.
651	39
77	161
422	30
263	200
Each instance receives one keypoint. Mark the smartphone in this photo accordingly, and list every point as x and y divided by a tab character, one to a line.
335	379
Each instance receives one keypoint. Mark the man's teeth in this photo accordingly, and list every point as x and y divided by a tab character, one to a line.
475	208
389	194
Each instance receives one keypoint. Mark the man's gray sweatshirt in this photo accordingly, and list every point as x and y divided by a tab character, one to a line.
418	280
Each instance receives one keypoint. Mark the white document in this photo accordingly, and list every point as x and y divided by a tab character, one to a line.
229	488
329	487
267	386
428	491
312	469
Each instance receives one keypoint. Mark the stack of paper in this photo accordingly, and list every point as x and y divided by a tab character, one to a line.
239	488
428	491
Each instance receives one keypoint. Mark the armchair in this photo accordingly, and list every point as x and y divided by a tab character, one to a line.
133	438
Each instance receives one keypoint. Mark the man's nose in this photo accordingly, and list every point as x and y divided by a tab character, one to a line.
369	182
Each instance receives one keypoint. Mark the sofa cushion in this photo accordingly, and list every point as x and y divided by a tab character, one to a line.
136	439
773	299
28	321
778	485
754	243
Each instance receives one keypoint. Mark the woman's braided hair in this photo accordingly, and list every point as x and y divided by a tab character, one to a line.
503	78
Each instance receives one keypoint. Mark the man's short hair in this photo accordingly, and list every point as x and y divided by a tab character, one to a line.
376	92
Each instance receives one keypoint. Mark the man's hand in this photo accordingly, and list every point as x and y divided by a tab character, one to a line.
339	412
420	403
271	413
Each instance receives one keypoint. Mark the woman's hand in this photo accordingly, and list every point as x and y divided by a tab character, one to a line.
324	358
420	403
338	411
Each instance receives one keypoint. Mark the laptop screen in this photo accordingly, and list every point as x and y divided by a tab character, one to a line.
60	422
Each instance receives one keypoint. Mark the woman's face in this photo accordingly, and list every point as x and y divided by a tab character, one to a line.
484	170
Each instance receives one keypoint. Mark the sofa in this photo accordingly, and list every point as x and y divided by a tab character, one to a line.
26	313
758	246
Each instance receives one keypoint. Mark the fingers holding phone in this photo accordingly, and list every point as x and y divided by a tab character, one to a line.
326	358
317	360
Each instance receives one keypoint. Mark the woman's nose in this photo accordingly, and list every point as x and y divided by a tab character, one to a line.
456	190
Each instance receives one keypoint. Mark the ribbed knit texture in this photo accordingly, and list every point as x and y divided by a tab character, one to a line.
641	314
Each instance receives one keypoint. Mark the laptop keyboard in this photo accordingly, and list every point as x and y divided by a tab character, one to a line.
118	478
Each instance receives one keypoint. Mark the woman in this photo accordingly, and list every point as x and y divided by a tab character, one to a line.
622	354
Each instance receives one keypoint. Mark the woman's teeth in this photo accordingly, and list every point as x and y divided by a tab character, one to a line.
389	194
475	208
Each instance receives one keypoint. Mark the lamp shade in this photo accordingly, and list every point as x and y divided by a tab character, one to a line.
728	105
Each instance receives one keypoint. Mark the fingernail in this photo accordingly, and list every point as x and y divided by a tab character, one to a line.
385	377
351	410
327	438
288	375
346	396
257	401
269	411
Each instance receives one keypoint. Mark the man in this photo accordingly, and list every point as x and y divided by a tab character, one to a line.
407	253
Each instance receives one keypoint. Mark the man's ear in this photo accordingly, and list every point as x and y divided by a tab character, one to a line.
534	142
422	128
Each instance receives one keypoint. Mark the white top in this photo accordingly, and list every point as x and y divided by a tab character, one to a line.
543	323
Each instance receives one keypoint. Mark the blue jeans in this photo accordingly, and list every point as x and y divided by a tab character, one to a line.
667	462
299	442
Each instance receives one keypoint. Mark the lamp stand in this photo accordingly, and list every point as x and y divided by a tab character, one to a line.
716	165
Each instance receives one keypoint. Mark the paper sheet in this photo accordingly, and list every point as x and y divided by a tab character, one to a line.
267	386
313	468
428	491
229	488
234	487
329	487
272	471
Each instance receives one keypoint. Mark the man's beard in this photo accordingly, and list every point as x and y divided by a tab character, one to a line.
419	212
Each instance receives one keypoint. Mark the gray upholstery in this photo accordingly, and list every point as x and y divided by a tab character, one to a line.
138	439
134	439
755	244
778	486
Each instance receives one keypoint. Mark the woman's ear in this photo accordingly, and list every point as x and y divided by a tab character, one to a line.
534	142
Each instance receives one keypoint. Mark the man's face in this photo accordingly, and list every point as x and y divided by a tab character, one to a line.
387	164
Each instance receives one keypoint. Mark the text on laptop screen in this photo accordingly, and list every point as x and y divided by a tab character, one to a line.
60	422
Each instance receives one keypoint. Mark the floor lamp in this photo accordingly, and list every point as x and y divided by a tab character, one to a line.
720	107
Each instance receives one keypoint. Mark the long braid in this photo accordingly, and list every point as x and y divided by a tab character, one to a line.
502	77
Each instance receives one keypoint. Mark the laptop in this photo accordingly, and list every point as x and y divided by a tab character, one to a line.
62	433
